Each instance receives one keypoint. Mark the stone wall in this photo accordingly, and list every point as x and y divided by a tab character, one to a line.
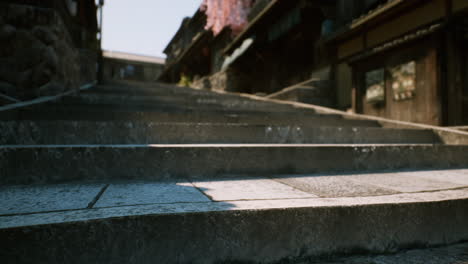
37	56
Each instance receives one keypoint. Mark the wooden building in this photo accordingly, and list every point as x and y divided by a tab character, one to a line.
398	59
274	50
277	48
407	60
188	52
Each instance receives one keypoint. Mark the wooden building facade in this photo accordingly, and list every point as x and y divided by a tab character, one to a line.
398	59
407	60
188	52
282	51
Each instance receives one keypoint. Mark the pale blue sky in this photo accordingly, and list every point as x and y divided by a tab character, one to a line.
143	26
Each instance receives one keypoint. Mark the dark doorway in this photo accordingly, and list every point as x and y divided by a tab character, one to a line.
465	75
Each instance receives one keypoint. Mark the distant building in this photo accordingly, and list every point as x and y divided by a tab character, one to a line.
127	66
275	49
189	52
404	60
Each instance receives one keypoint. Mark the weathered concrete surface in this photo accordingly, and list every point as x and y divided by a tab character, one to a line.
248	220
453	176
150	193
137	132
119	193
33	199
249	189
182	102
141	88
223	232
333	186
454	254
206	218
404	182
61	163
39	218
58	112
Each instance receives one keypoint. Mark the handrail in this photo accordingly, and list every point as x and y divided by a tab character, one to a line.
45	99
292	87
9	98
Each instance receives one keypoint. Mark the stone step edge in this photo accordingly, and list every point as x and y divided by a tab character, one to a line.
45	99
65	163
249	233
64	216
243	145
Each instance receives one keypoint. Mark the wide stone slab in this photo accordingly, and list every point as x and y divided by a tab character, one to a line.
453	176
405	182
59	163
150	193
333	186
33	199
249	189
20	220
262	231
45	198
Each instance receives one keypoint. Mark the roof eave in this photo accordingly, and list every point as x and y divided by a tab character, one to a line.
249	27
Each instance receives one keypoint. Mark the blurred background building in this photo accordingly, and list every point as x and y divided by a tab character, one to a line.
128	66
397	59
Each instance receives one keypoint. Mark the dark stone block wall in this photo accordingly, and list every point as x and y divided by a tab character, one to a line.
37	55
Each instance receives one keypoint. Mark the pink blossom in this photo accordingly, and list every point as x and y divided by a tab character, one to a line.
226	13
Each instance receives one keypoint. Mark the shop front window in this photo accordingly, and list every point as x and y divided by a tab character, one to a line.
403	81
375	86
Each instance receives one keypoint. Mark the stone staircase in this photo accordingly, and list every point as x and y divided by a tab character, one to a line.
152	173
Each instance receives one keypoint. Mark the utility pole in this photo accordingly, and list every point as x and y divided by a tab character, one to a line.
100	72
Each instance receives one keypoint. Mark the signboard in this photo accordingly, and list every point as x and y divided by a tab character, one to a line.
403	81
375	86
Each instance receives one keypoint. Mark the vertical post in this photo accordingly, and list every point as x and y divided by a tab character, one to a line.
452	61
354	90
100	73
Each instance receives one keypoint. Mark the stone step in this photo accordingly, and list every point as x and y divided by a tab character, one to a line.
151	88
92	96
235	220
174	91
451	254
23	164
134	132
209	98
102	113
177	92
183	103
